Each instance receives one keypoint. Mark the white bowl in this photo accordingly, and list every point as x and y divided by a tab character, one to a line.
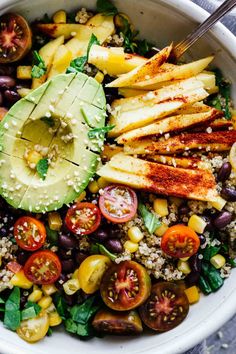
160	21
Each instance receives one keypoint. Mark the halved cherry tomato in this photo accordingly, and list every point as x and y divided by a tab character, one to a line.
118	203
166	307
14	266
125	286
90	272
43	267
180	241
83	218
34	329
30	233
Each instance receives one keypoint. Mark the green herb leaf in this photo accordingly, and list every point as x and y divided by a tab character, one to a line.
93	40
52	236
150	220
71	326
106	8
143	47
61	305
39	68
2	301
45	19
49	332
31	310
99	248
129	35
99	132
210	251
77	65
12	316
232	262
42	168
82	313
48	120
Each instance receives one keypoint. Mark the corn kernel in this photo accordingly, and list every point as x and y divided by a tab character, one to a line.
183	267
218	204
71	286
218	261
192	294
19	279
161	230
51	308
35	296
54	221
54	319
99	77
102	182
135	234
80	197
23	72
49	289
197	223
93	187
130	246
45	302
59	17
184	259
160	207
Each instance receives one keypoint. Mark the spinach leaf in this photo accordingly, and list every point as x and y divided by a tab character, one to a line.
12	316
106	8
48	120
143	47
150	220
232	262
52	236
99	248
210	251
93	40
71	326
31	310
61	305
49	332
2	301
99	132
82	313
42	168
39	68
128	35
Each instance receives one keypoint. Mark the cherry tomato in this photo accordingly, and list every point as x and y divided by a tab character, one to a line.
90	272
43	267
14	266
30	233
83	218
180	241
118	203
15	38
166	307
34	329
125	286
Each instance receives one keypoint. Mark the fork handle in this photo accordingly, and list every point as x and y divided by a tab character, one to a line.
202	28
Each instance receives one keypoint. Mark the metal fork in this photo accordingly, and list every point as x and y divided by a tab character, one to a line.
201	29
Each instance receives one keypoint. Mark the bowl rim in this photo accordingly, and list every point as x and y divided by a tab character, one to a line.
227	307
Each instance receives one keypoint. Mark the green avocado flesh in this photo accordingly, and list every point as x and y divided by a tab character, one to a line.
53	120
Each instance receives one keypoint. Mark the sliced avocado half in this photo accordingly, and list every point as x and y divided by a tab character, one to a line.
51	123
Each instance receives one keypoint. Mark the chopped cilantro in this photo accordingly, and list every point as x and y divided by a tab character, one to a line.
151	222
99	132
39	68
97	248
31	310
42	168
106	8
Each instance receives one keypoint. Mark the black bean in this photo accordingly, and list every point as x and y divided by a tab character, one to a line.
114	232
100	235
11	96
195	263
114	245
229	194
22	257
3	232
183	210
80	257
1	99
70	299
202	239
192	278
67	241
23	300
68	265
209	223
224	172
6	70
60	281
223	219
64	254
7	82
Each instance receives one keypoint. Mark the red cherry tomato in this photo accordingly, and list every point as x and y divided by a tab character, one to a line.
118	203
43	267
83	218
180	241
30	233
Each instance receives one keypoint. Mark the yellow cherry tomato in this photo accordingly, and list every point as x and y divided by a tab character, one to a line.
90	272
34	329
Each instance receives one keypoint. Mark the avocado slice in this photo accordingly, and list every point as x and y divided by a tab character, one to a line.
50	119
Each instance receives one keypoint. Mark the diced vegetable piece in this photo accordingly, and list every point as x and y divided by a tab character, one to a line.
54	319
102	182
49	289
99	77
23	91
218	261
161	230
204	286
219	204
183	267
23	72
54	221
35	296
135	234
197	223
232	156
71	286
214	279
192	294
93	187
59	17
45	302
130	246
160	207
19	279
